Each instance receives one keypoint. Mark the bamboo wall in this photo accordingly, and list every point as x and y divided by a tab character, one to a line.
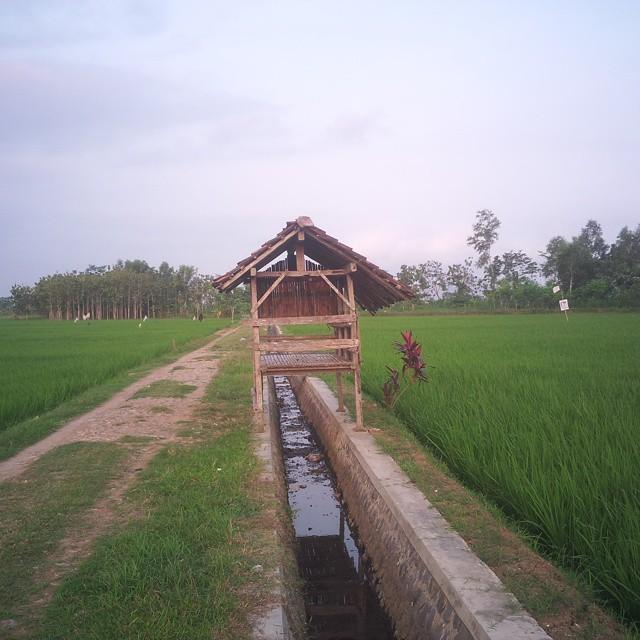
301	297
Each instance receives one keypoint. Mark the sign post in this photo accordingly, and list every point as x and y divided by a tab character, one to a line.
564	306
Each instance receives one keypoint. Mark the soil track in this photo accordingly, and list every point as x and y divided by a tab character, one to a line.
149	417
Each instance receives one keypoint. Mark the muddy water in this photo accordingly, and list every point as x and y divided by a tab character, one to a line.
339	599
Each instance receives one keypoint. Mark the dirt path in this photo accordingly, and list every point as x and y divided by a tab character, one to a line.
157	418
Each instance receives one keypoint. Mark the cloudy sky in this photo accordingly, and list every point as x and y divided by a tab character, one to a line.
192	131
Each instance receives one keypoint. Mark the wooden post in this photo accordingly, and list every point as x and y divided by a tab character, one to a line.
355	333
340	392
300	266
257	374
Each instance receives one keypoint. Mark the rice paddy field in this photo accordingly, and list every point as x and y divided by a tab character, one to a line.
44	363
542	416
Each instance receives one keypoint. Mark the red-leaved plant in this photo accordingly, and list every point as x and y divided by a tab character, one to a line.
414	369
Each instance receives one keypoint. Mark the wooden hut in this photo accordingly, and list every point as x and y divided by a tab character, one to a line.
304	276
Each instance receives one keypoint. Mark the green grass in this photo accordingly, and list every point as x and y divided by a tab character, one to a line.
555	597
47	362
53	371
37	509
176	573
165	389
541	416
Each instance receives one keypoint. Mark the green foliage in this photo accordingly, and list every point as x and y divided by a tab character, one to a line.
412	364
129	289
427	280
541	416
590	273
36	511
165	389
463	280
47	363
168	575
593	274
23	300
177	572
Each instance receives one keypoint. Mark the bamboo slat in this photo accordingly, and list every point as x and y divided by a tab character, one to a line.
321	319
300	346
296	363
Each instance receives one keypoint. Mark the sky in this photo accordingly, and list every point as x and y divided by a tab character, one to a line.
192	132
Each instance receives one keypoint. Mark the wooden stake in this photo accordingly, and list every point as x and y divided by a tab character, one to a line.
340	392
355	329
358	398
257	374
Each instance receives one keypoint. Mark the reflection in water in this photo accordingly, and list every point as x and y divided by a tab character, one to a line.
339	600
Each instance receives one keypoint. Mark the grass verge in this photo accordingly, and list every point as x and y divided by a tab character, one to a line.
562	603
37	509
184	569
164	389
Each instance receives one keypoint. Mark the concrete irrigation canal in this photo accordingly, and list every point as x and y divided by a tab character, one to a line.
376	559
339	597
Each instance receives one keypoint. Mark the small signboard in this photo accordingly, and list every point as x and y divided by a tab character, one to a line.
556	289
564	305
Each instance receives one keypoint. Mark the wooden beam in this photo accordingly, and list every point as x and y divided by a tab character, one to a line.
258	260
300	338
268	292
257	373
351	306
276	370
265	322
357	388
300	265
340	392
305	273
357	382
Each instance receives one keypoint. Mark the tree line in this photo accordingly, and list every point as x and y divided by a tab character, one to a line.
589	272
129	289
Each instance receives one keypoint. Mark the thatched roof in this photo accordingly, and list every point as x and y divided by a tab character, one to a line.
374	288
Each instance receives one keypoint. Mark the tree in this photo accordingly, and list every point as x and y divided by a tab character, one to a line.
415	278
427	280
517	266
462	279
624	258
435	278
553	258
591	239
23	300
5	306
573	264
485	233
236	302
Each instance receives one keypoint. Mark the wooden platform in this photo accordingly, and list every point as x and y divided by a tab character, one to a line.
296	363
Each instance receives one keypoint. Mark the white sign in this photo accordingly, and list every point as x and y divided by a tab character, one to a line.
564	305
556	289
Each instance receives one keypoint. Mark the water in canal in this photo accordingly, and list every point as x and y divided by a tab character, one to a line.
339	600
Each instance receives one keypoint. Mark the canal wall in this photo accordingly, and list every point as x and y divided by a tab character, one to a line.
430	581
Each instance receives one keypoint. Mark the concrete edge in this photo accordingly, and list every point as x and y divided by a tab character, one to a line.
272	623
479	598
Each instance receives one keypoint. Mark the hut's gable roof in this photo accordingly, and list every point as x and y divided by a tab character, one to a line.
374	288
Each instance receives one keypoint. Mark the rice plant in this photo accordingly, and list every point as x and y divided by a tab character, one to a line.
543	417
43	363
